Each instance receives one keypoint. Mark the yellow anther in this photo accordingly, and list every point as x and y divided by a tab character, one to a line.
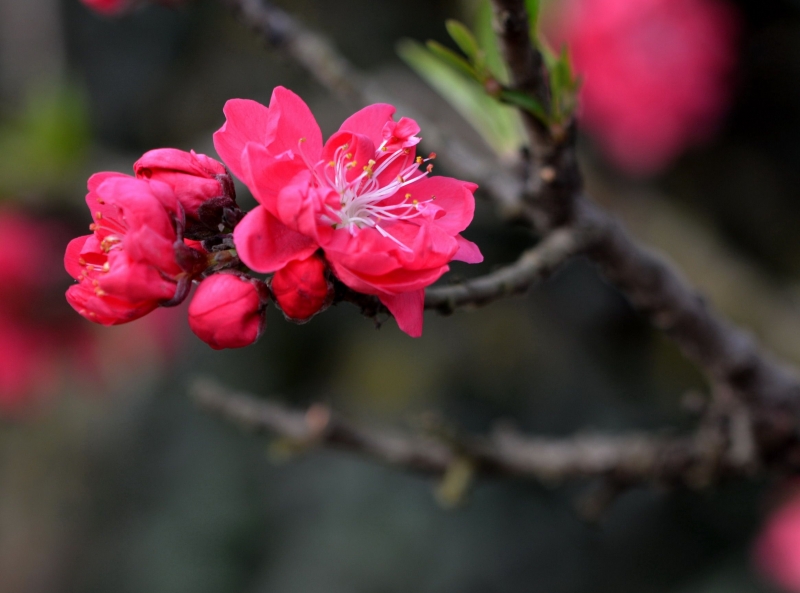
408	196
415	202
419	160
400	179
332	164
302	140
349	155
384	148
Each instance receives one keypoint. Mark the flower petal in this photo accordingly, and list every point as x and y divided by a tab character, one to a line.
265	244
467	251
453	196
407	309
369	121
246	121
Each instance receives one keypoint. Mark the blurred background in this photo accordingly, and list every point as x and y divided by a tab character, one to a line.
110	481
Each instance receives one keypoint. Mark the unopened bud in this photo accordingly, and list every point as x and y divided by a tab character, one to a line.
301	288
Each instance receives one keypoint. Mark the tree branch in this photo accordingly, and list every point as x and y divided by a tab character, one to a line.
533	266
630	459
554	200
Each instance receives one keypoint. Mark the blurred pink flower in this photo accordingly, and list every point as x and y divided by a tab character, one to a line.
116	7
41	340
777	549
656	73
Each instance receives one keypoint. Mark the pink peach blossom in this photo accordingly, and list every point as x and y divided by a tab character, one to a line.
385	226
128	266
656	73
227	311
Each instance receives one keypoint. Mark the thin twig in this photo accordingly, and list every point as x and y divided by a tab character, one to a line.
554	198
534	265
637	458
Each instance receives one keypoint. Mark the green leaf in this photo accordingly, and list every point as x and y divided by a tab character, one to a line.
452	59
487	39
526	102
533	18
499	125
464	39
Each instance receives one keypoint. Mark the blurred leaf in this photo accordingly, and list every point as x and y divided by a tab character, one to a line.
448	56
456	482
526	102
498	125
45	142
464	39
487	39
533	18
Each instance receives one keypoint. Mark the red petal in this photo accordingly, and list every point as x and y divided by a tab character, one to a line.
265	244
407	309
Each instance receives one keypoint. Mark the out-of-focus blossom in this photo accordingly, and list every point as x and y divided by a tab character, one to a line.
129	265
777	548
41	340
301	288
385	226
116	7
656	73
201	184
227	311
108	6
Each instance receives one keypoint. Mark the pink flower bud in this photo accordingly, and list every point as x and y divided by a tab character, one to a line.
227	311
301	288
195	178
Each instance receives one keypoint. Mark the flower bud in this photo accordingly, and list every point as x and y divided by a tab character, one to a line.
202	185
227	311
301	288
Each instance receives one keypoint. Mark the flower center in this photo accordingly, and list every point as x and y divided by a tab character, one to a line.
362	199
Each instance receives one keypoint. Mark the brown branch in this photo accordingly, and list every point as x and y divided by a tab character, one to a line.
554	199
533	266
638	458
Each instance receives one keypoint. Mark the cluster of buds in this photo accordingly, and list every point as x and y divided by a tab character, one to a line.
361	210
168	227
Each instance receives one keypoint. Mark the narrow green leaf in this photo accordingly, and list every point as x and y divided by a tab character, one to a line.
526	102
451	58
464	39
487	39
533	18
498	124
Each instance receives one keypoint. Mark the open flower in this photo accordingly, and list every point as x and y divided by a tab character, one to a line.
385	226
128	266
656	73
